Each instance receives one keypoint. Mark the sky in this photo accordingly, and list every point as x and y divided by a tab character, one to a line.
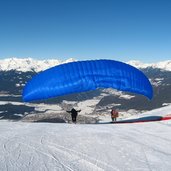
86	29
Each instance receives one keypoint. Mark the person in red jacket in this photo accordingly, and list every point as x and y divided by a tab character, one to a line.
114	114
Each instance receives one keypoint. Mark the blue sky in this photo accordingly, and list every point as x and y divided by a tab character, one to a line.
86	29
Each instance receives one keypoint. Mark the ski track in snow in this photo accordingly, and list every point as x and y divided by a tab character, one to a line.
70	147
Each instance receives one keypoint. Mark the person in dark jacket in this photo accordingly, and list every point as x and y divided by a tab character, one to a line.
74	114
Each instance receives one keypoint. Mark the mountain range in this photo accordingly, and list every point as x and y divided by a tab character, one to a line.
30	64
15	72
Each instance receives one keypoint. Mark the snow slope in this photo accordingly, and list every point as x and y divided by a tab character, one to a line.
52	146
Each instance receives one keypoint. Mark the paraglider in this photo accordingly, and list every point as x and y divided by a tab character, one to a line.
83	76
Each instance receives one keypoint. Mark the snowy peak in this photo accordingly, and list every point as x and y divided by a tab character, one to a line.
30	64
164	65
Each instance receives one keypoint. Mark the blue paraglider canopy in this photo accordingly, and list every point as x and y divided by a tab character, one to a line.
83	76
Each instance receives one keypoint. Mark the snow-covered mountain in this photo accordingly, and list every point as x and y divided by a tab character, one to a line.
164	65
30	64
12	83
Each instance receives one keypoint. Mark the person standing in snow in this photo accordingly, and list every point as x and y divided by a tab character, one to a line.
114	115
74	114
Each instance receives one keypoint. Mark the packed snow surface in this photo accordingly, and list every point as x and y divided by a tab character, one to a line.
82	147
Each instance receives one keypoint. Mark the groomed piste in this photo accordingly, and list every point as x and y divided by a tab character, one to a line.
109	147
